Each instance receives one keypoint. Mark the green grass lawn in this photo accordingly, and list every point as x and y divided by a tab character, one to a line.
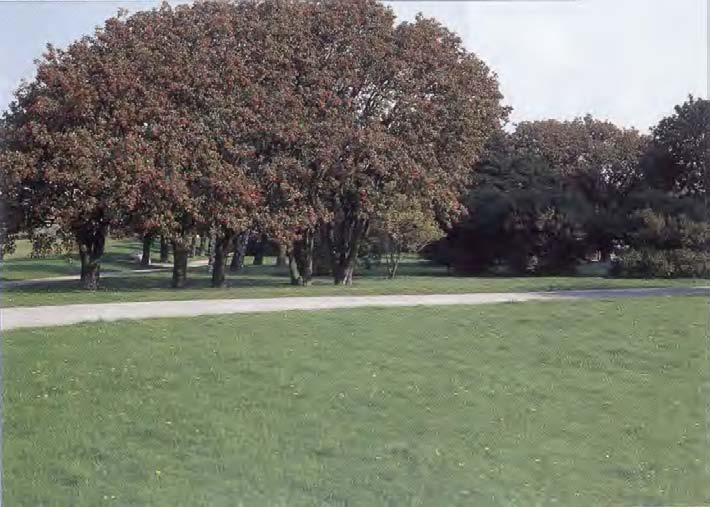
416	277
20	265
588	403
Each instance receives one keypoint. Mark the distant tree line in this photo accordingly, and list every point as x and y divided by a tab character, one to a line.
554	193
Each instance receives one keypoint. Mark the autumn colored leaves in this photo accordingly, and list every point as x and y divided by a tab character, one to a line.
306	122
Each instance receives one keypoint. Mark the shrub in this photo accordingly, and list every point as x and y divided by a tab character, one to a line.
676	263
403	227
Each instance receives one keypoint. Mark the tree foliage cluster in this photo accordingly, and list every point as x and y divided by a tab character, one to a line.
554	193
307	123
323	132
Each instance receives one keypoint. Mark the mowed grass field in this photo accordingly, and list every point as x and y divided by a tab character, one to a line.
22	265
585	403
416	276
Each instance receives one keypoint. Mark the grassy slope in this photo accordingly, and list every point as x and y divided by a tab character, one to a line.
416	277
593	403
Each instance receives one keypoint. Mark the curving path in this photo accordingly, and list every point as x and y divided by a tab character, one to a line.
42	316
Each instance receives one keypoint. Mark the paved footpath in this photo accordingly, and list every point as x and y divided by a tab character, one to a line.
41	316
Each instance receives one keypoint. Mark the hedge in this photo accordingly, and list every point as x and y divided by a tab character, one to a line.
649	263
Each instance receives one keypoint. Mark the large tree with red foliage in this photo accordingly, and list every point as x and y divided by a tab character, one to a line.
297	119
387	110
64	149
139	126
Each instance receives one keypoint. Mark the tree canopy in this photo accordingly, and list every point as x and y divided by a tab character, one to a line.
320	125
554	193
292	118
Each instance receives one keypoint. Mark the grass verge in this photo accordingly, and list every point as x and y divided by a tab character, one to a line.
586	403
269	281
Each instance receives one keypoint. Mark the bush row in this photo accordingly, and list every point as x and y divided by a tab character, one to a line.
650	263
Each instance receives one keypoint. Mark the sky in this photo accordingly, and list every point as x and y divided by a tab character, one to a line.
627	61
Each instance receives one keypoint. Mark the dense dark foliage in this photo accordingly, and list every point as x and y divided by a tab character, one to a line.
553	194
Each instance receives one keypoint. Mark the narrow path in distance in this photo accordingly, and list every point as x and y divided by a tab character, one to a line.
156	268
43	316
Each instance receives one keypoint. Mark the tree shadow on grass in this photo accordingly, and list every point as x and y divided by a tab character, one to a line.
422	268
143	282
31	268
46	267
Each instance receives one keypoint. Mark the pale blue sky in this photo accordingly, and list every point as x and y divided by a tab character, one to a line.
628	61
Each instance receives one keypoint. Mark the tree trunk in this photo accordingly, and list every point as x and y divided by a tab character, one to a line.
240	248
259	248
303	253
322	261
344	240
281	258
147	245
193	246
221	249
393	264
343	273
90	272
91	249
180	256
293	270
202	246
164	249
